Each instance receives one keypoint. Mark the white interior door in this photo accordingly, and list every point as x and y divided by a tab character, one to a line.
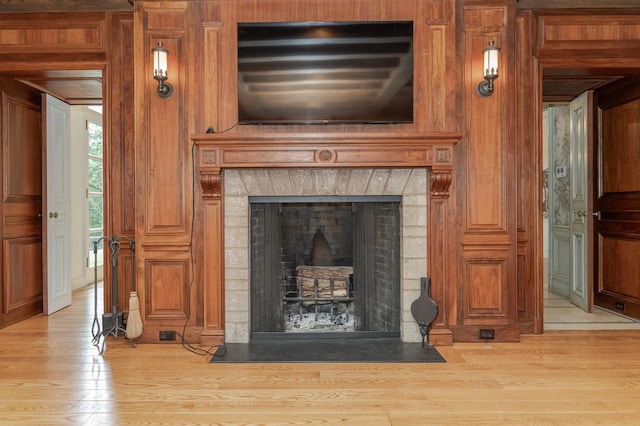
559	206
580	136
58	204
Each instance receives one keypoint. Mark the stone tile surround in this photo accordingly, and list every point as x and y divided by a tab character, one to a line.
240	184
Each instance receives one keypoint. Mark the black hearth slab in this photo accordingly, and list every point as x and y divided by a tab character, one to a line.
327	350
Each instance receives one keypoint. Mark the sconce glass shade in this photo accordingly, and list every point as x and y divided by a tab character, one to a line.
485	88
160	71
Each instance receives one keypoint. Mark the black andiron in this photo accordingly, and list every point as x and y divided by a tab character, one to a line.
112	322
424	308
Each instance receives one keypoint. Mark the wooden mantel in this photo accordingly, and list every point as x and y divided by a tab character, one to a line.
434	151
325	150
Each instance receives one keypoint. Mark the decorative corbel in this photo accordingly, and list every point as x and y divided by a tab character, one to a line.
211	183
440	182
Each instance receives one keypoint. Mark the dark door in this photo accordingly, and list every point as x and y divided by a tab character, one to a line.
21	205
617	204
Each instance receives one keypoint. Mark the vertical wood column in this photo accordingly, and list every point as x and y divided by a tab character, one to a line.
213	249
164	174
529	163
487	278
441	251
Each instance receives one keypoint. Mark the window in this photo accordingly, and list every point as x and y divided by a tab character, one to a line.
95	196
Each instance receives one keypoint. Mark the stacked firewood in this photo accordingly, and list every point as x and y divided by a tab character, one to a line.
320	277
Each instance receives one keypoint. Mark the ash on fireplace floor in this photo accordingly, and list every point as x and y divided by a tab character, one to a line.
321	322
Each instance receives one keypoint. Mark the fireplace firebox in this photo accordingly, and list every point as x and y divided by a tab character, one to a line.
325	265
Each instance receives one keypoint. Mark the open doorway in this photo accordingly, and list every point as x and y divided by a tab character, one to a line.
76	90
566	273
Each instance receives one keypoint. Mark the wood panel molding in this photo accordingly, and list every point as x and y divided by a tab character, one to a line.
575	35
299	150
19	288
42	34
167	294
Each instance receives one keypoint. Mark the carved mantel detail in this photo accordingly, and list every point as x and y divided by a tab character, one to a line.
211	183
440	183
217	152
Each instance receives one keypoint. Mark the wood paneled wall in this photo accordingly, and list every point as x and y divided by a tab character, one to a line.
486	197
89	41
494	280
479	289
21	243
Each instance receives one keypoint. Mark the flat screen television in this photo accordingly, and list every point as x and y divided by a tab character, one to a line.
325	72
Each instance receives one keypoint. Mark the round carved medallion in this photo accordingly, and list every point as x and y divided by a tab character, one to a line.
324	156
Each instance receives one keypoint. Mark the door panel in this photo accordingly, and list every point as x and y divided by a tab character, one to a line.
618	204
581	137
559	137
21	205
58	204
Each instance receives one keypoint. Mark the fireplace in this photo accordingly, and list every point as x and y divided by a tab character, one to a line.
404	187
327	264
416	167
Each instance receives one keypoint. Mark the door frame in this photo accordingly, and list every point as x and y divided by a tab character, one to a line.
11	69
536	54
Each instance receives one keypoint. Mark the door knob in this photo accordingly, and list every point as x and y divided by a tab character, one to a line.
53	215
581	213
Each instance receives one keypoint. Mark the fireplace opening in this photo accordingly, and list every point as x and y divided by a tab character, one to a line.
321	266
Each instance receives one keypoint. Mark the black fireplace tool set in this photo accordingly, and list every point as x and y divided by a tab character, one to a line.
113	322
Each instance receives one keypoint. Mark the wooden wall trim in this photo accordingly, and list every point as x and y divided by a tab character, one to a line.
529	164
39	33
287	150
574	35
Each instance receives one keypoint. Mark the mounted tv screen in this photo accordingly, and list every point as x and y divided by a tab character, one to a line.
325	72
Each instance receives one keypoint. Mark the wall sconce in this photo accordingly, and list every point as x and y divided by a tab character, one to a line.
485	88
160	70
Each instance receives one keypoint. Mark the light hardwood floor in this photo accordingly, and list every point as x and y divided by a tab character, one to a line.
51	374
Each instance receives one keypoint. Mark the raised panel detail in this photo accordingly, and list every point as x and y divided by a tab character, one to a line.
615	36
484	292
620	280
485	177
20	288
51	35
23	123
167	163
163	20
167	290
483	16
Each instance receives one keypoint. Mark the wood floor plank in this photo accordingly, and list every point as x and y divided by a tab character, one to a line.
50	373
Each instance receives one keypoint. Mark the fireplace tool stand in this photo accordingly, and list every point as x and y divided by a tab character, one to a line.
112	323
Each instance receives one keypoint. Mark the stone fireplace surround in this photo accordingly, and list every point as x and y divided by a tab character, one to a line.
411	184
235	166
